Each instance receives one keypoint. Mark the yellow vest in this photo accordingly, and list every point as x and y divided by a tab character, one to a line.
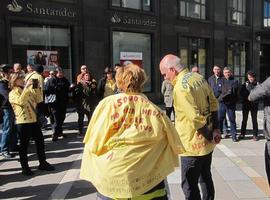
23	102
193	103
130	146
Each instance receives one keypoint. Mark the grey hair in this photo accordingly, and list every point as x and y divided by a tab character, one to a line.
175	63
227	68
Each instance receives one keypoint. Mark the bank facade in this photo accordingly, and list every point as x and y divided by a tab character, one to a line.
100	33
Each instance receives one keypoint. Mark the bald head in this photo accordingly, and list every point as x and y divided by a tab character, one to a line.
170	66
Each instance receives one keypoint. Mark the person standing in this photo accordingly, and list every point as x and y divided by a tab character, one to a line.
56	90
262	91
24	99
248	106
130	144
227	101
85	98
9	137
167	92
215	81
197	124
106	85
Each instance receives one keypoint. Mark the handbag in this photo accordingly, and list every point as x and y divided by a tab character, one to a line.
50	99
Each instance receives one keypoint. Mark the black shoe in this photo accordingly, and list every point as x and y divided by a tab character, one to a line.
241	136
46	167
235	140
27	172
54	138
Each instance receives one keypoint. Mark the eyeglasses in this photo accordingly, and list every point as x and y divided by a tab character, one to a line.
83	68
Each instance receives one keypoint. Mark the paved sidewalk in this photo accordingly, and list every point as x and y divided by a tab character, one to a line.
238	171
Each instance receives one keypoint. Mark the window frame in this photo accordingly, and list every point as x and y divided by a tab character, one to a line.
263	15
133	9
231	9
205	5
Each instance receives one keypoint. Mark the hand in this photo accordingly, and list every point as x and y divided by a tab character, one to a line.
216	136
28	83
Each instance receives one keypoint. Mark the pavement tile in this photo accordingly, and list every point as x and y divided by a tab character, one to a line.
175	177
243	152
222	162
262	184
232	174
246	189
250	172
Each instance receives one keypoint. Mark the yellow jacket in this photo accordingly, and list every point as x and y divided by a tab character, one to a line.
130	146
193	103
35	75
23	102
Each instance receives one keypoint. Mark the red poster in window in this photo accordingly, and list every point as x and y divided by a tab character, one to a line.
134	57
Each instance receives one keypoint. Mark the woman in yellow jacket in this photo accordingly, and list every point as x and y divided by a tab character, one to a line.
130	144
24	100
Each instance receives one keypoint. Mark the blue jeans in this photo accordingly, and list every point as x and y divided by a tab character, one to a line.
8	135
230	110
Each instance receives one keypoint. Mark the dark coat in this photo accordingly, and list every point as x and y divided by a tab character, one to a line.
245	91
85	95
229	91
59	87
262	91
216	85
4	91
101	87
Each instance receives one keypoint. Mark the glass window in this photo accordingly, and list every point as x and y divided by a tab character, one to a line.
236	59
144	5
40	44
134	47
266	20
237	12
193	9
193	53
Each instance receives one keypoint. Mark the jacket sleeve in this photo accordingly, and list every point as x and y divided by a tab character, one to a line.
20	100
261	91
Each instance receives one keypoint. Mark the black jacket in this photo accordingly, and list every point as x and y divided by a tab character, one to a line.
245	91
4	91
59	87
229	91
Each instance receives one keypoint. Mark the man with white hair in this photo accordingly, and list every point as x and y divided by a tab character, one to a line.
197	125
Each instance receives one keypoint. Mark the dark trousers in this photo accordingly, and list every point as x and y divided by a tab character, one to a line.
58	118
81	112
27	131
267	160
194	168
230	110
253	110
169	111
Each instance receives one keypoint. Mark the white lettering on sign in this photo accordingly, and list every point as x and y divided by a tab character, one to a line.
131	56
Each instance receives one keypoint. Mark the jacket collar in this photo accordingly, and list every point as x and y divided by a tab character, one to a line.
180	74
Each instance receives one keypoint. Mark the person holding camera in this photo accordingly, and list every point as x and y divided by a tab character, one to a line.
56	90
24	99
86	98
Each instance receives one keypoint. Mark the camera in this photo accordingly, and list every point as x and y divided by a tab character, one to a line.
35	83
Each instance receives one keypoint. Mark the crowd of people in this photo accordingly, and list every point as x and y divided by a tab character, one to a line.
131	146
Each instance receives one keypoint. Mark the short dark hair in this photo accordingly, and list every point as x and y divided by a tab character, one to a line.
251	73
